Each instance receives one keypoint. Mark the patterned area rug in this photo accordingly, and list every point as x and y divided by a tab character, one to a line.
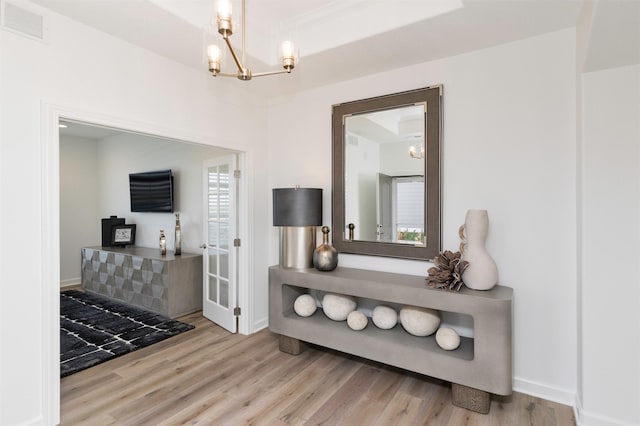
94	329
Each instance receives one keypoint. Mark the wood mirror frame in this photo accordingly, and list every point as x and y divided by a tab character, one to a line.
432	96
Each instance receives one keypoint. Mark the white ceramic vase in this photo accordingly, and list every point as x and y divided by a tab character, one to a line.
482	272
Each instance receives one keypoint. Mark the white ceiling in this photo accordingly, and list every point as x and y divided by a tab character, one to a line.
86	131
337	39
615	35
345	39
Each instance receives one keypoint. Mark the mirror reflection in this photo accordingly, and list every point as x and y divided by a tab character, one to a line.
386	175
384	165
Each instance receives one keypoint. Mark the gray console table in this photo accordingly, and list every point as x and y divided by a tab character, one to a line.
480	366
169	285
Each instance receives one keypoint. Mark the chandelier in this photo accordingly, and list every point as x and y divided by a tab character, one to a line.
225	29
413	153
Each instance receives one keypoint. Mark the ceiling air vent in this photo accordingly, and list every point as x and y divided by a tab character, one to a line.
23	21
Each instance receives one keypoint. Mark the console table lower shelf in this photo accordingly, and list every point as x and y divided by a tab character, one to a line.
480	366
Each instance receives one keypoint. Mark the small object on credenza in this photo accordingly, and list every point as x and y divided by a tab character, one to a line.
178	234
107	225
163	243
123	235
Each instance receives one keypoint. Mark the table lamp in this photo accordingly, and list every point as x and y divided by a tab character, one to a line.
297	211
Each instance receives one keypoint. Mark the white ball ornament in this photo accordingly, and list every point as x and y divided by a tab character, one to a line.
384	317
305	305
357	320
447	338
338	306
419	321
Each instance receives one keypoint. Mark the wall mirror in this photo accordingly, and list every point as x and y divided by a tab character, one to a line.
386	175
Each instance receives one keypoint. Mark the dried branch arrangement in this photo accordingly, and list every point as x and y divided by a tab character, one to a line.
447	272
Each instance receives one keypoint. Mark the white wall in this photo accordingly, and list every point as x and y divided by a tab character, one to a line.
509	147
361	171
88	71
611	255
395	159
94	184
130	153
79	204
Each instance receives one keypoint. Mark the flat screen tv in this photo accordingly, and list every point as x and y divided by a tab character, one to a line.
151	191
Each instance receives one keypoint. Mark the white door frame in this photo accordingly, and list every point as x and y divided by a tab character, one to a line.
51	113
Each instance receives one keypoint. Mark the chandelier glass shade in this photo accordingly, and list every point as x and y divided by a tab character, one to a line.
224	23
413	153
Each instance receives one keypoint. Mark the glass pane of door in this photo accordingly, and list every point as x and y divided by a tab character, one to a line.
218	240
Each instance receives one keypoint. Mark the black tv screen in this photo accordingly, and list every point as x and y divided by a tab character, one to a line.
151	191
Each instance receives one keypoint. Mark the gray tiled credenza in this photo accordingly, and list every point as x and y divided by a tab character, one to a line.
480	366
169	285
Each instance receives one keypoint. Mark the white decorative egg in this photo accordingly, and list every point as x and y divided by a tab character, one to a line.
305	305
384	317
357	320
419	321
447	338
338	306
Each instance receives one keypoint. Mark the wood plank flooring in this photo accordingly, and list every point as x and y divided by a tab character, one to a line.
207	376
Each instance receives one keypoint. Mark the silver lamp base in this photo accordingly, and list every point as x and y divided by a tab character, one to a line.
296	246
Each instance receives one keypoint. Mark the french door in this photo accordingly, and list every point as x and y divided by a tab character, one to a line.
220	230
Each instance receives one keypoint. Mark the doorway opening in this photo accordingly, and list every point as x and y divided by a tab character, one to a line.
95	164
53	115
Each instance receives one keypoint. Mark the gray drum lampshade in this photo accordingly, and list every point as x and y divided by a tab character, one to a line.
297	207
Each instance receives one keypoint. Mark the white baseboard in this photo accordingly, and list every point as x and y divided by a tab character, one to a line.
589	419
36	421
551	393
69	282
595	420
584	418
577	410
260	324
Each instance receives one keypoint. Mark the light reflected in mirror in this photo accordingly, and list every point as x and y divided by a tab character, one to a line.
386	175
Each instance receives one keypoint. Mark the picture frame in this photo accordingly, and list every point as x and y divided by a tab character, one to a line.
123	235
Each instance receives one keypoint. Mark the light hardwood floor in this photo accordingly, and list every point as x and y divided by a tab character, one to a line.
207	376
